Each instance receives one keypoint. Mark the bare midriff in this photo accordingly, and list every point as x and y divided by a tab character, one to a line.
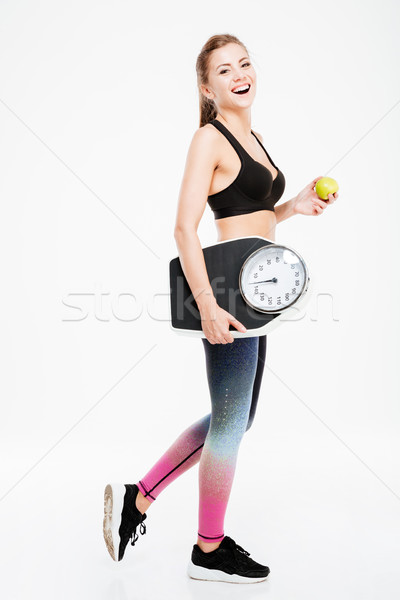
260	222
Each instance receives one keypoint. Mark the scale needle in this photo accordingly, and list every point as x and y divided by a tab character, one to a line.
273	280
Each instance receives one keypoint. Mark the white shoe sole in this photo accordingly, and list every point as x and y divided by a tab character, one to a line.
196	572
113	504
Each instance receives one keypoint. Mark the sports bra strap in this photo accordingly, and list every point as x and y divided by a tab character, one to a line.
231	138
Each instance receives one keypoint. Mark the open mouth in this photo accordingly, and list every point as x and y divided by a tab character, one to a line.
243	89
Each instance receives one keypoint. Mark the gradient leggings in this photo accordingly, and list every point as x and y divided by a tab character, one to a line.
234	373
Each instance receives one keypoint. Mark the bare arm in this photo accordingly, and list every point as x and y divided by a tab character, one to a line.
285	210
199	168
201	161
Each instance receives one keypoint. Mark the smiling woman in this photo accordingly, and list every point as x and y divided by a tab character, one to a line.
209	68
229	168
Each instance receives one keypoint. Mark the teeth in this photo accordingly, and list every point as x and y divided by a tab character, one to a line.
243	87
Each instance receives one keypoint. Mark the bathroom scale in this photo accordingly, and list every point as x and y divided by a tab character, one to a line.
259	281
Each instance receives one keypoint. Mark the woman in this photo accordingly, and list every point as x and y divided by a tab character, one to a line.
228	166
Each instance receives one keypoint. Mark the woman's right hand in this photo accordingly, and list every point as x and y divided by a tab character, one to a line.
215	323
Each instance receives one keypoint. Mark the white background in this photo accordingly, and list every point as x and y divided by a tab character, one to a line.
98	104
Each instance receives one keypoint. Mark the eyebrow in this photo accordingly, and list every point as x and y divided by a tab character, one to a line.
228	64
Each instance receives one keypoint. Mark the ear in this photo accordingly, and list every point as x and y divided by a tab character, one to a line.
206	92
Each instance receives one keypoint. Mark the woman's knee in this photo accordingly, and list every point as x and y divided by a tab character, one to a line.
225	432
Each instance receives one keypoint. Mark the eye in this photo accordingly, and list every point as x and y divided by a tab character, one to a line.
225	70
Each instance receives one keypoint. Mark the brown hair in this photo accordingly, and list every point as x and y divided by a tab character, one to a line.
208	110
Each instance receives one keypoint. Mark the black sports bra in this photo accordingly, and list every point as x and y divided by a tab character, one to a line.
254	187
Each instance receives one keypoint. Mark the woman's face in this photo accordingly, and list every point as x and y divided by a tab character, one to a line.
229	69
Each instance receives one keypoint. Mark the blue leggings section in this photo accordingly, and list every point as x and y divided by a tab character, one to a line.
241	364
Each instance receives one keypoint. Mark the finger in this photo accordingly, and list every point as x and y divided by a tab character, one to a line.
320	203
237	323
317	209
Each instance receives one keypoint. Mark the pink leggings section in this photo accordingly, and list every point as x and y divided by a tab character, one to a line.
234	376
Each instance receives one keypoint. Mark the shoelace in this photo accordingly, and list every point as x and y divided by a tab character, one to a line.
135	536
239	555
242	550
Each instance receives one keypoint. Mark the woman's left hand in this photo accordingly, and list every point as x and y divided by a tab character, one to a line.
307	202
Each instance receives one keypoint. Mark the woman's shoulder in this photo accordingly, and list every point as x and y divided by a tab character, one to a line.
205	135
208	130
204	147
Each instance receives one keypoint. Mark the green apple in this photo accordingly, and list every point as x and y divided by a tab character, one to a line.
325	186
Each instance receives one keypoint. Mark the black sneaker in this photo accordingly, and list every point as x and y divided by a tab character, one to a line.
121	518
229	562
